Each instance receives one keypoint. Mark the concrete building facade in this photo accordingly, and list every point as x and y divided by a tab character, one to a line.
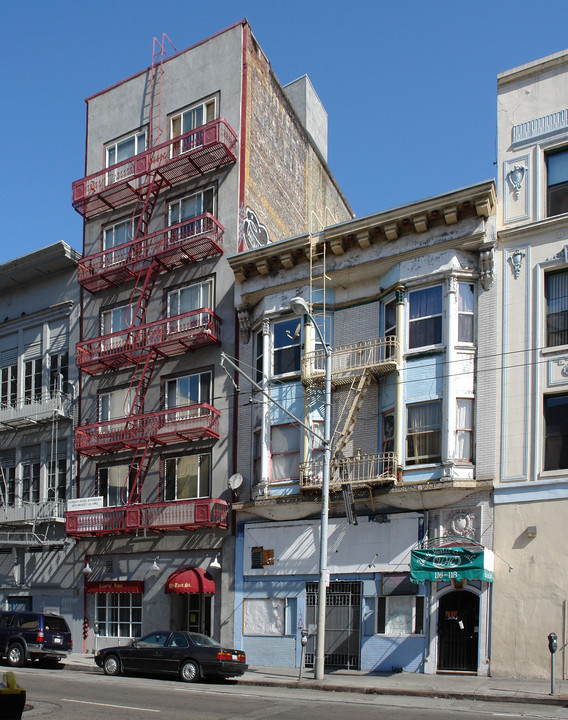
531	453
200	156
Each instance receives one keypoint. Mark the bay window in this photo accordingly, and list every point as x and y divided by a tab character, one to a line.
425	317
466	310
285	452
424	433
286	350
464	429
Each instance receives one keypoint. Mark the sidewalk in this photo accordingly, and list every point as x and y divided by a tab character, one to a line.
466	687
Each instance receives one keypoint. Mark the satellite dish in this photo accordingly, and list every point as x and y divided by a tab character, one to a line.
235	481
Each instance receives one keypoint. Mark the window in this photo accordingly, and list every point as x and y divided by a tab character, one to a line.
390	324
114	404
464	429
556	292
286	350
189	120
119	233
388	432
264	616
257	456
187	477
57	479
30	482
188	390
400	615
10	475
193	297
425	317
32	380
114	483
58	372
119	614
116	319
191	206
259	357
9	386
424	433
556	432
285	452
121	150
466	307
557	183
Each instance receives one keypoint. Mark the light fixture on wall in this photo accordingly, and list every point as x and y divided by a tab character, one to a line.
155	567
531	531
215	564
87	570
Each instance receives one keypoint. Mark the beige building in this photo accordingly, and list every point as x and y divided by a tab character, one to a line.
531	367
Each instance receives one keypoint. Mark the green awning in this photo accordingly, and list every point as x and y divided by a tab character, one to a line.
451	563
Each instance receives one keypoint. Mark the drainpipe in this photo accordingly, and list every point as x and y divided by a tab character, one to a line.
399	389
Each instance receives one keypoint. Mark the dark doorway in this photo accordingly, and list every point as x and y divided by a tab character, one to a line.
458	631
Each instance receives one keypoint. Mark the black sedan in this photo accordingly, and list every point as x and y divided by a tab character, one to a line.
190	655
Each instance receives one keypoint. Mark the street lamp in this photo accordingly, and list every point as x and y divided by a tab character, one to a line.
300	307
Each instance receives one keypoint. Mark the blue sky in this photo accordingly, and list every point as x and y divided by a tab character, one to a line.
409	87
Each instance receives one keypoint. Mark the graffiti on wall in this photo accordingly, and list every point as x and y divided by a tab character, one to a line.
255	235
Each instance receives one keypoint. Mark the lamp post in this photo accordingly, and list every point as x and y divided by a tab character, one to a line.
300	307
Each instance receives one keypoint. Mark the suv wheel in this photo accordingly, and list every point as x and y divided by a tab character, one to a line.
16	657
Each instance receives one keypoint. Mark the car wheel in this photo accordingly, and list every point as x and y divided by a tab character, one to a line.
16	657
111	665
189	671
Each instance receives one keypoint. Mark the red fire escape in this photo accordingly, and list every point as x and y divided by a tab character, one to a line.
141	179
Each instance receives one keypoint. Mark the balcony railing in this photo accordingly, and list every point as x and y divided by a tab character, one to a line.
177	515
33	512
169	337
30	411
191	422
349	361
357	471
186	242
207	148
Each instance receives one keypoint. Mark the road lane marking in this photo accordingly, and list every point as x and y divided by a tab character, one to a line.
121	707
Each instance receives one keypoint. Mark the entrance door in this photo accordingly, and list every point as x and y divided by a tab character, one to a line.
197	613
342	624
458	631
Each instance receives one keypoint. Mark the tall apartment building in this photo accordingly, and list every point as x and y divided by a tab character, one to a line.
404	299
531	494
201	155
39	326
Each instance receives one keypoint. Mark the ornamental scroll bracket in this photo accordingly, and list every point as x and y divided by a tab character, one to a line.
515	178
243	312
516	261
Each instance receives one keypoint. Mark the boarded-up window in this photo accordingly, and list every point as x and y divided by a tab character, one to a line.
264	616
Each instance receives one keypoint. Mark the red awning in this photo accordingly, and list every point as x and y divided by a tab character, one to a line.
115	586
190	580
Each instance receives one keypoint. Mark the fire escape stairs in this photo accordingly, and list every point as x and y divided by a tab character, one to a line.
353	404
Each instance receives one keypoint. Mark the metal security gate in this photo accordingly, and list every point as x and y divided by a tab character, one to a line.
342	624
458	631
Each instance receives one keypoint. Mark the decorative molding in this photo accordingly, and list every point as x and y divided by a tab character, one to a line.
452	283
486	267
243	313
516	261
463	523
515	178
540	127
558	371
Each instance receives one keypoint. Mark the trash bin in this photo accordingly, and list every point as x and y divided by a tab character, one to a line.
12	698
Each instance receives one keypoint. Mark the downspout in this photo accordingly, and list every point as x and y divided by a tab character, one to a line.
399	388
243	141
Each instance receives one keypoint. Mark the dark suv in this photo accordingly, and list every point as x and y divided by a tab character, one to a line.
33	636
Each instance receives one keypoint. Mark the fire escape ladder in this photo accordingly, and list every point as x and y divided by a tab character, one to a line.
353	403
139	382
137	472
154	89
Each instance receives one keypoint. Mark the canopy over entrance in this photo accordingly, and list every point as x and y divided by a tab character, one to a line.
190	580
451	563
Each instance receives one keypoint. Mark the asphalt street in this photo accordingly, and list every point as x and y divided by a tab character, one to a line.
67	695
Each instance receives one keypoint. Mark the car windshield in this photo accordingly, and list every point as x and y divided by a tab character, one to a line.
204	640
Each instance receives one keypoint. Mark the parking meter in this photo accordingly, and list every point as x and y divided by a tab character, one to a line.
304	638
553	642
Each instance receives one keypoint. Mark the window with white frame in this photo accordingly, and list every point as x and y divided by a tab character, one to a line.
10	475
424	433
285	452
119	614
390	323
32	380
464	429
189	207
264	616
59	372
188	477
189	298
57	479
257	456
126	148
30	482
259	357
188	390
466	312
114	483
119	233
9	386
286	350
188	120
557	182
388	432
116	319
400	615
556	295
425	317
556	431
115	404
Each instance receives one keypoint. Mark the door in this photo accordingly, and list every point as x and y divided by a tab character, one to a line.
342	624
198	613
458	631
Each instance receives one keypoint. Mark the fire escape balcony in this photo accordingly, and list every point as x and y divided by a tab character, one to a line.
169	337
359	471
377	356
187	423
207	148
186	242
26	412
154	517
33	512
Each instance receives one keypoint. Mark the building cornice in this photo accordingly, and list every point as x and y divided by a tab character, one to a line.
558	222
